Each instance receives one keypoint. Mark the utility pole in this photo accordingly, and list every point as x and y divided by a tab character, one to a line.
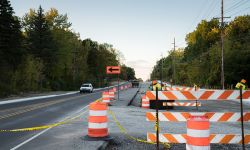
174	63
222	44
222	47
161	70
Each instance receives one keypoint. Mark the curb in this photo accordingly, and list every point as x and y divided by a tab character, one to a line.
103	145
130	102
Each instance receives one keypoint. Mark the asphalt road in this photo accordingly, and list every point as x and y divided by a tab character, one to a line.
38	113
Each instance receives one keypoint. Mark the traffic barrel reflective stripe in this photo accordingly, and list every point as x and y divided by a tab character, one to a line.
198	133
112	94
105	97
144	102
98	121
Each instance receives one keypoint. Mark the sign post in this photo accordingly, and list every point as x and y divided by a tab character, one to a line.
118	87
157	120
242	122
114	70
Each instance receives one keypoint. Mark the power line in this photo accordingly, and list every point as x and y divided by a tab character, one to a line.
237	5
213	6
234	6
204	13
239	11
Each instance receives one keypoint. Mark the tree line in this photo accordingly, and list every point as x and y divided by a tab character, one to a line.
40	51
200	61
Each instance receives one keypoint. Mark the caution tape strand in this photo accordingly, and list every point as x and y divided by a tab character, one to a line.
45	126
123	130
42	127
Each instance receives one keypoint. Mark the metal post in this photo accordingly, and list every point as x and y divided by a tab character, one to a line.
195	89
118	86
157	120
242	123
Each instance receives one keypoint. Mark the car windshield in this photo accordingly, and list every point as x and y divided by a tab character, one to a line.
85	85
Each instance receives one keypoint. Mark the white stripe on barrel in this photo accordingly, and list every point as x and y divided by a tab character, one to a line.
144	102
198	133
105	97
97	120
112	94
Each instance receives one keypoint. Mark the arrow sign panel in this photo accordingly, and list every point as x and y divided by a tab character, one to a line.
113	70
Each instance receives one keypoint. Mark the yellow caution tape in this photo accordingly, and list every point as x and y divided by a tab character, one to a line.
123	130
98	100
42	127
157	126
45	126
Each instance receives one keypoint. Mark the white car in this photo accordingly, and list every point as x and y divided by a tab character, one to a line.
86	87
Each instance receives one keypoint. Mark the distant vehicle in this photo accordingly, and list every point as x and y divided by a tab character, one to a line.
86	87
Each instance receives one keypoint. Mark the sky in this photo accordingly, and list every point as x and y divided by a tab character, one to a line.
142	30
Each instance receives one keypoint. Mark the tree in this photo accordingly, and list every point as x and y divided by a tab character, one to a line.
11	51
40	41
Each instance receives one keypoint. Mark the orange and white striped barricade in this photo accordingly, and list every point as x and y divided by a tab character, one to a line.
98	121
212	116
105	97
199	95
144	102
198	133
112	94
184	104
213	138
181	88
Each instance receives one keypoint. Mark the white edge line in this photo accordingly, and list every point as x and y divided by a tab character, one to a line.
30	139
40	133
46	96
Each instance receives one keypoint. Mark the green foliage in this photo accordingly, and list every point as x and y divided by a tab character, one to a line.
127	73
200	62
48	54
11	52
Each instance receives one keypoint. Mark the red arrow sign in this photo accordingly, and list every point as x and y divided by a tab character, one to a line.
113	70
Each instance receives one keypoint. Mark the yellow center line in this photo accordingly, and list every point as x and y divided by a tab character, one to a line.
35	107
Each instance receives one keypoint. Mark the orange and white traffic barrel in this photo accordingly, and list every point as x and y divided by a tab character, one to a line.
198	133
105	97
112	94
98	121
114	89
144	102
